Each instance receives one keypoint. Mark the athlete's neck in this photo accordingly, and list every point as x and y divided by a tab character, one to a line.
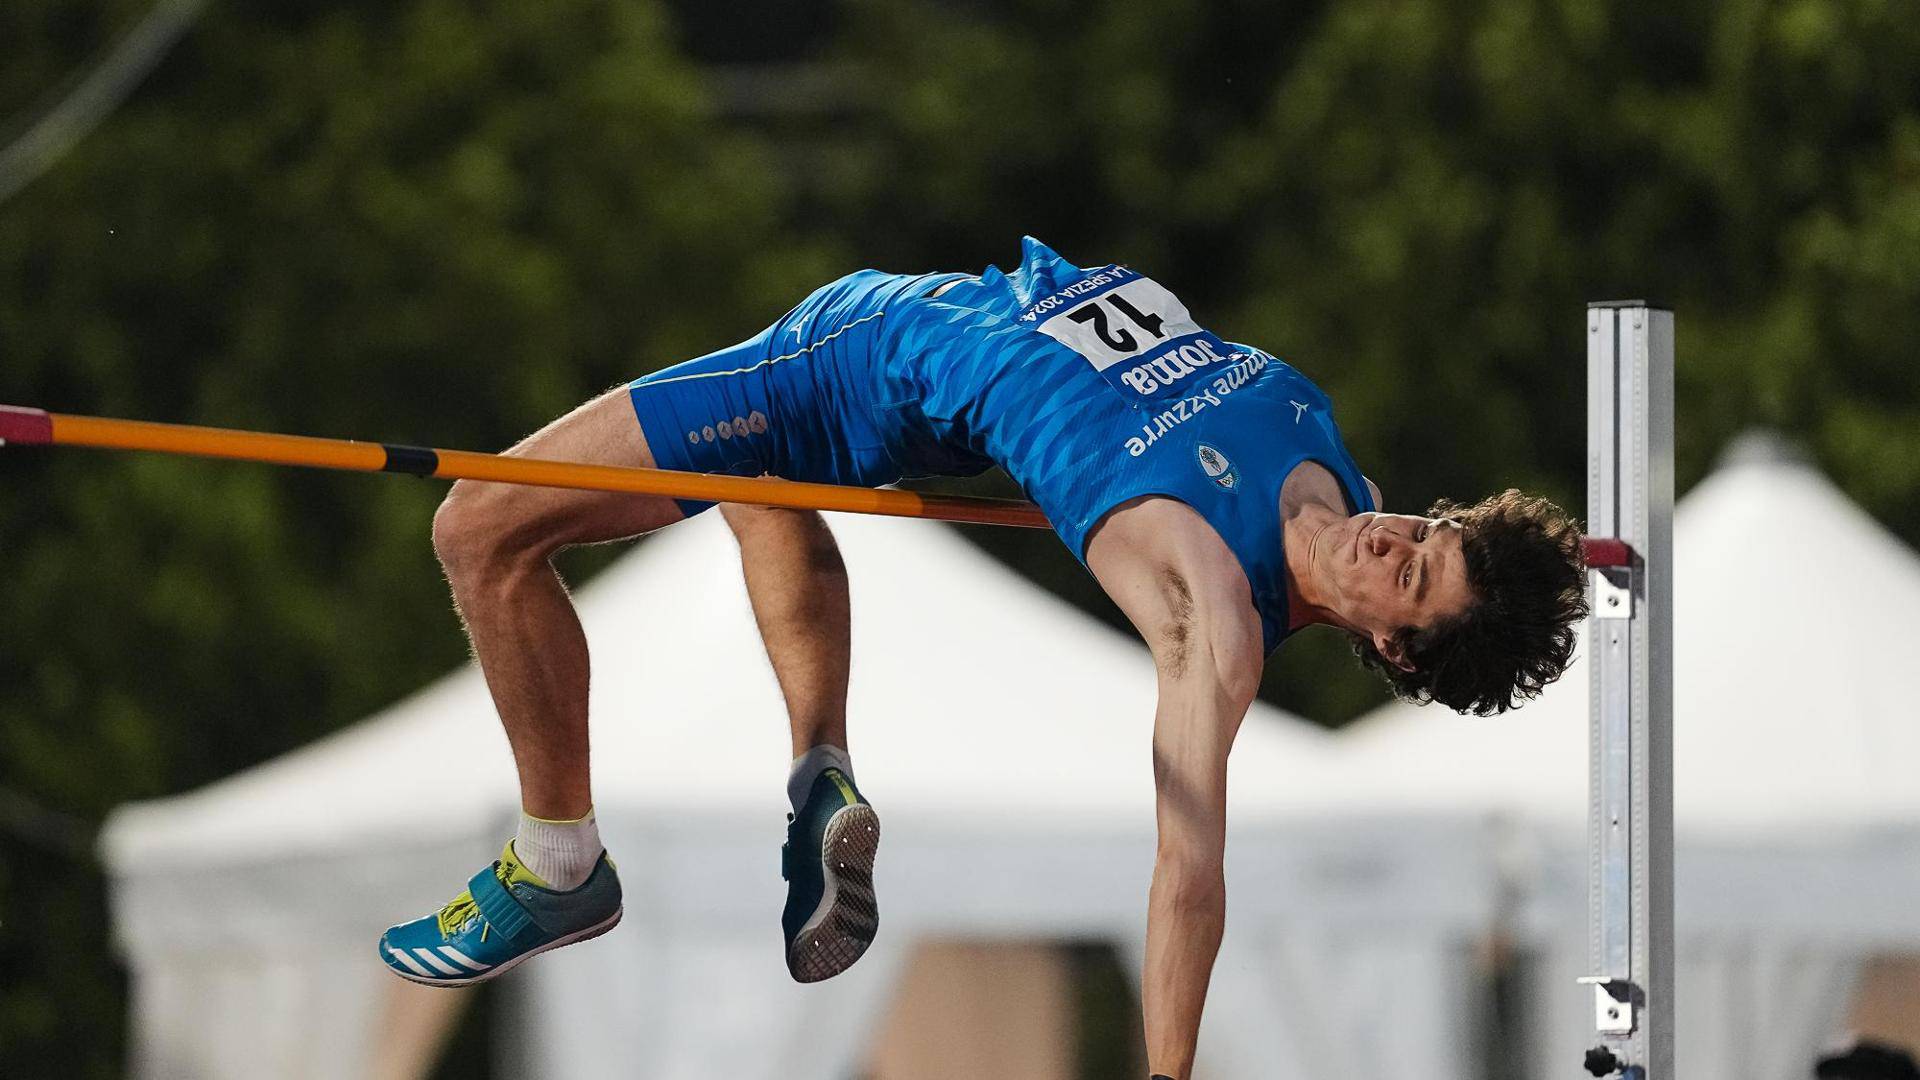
1303	532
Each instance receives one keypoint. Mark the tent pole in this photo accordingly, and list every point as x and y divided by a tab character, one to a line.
1630	649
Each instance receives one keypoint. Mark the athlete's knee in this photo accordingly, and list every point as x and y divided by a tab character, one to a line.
455	539
476	526
802	531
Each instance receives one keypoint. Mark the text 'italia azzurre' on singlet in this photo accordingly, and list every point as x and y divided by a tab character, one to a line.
1095	386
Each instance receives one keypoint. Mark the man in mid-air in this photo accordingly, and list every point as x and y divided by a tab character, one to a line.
1203	483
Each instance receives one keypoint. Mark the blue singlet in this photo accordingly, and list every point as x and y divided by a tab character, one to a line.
1090	387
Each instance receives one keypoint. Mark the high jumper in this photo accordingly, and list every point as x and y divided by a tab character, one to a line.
1203	483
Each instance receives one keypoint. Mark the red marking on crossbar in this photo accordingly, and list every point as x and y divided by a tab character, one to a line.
28	426
1607	551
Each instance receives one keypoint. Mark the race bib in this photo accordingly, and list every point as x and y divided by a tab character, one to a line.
1132	330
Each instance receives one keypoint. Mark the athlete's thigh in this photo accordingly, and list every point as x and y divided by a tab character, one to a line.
604	431
809	398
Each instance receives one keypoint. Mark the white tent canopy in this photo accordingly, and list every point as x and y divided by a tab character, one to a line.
1003	736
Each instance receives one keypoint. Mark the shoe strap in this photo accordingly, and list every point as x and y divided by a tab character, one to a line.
501	910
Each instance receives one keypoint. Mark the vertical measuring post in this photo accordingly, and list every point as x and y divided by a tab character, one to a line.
1630	656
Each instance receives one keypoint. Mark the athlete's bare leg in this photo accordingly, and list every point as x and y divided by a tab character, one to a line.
496	542
798	586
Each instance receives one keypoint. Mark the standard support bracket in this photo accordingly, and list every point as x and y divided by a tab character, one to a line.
1612	590
1613	1004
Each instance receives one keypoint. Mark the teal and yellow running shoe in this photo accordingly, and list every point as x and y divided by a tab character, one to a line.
831	913
506	915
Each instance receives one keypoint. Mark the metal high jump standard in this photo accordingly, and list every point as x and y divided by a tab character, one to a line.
1630	709
1629	549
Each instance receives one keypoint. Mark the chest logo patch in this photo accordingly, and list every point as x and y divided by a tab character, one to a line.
1217	467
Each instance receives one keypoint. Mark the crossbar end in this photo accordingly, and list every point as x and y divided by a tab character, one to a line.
1607	551
27	427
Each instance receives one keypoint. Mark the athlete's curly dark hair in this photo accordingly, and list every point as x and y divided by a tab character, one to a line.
1528	575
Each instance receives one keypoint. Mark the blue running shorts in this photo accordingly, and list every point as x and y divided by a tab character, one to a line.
805	399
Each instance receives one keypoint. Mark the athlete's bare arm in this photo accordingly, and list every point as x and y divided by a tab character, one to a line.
1187	595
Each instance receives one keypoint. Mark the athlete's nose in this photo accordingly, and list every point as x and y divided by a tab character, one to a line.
1381	540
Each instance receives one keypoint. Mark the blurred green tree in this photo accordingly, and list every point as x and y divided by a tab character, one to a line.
435	222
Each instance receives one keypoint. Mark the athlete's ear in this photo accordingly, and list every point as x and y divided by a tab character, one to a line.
1392	647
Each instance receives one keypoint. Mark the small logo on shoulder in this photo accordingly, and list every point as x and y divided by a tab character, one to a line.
1299	409
1217	467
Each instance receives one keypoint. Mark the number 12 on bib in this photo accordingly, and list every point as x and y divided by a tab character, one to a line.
1132	330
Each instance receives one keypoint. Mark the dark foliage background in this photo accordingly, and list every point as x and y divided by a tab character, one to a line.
438	222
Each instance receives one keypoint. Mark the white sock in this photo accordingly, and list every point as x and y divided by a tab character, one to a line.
560	853
808	767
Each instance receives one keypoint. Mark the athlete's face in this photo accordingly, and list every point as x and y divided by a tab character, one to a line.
1386	573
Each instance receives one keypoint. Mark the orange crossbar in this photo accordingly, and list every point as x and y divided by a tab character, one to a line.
30	427
23	426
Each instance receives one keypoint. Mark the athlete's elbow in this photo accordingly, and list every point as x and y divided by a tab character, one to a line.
1190	881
